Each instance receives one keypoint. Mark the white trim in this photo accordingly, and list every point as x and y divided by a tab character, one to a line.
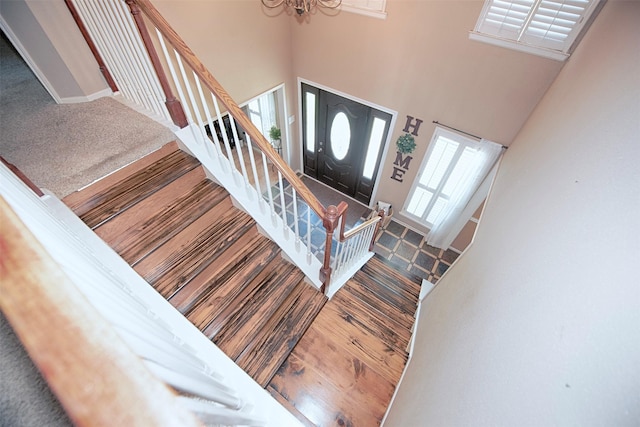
281	105
88	98
387	143
370	13
425	289
29	60
510	44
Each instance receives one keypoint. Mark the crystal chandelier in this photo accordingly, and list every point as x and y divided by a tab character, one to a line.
303	6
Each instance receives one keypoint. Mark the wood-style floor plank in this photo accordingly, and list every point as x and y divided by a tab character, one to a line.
284	402
346	372
361	344
318	399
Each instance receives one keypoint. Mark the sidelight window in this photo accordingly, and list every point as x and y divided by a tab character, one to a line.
310	120
373	150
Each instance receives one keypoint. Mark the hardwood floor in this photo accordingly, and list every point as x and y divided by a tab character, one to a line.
330	363
345	368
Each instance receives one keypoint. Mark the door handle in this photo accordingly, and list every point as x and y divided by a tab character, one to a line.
320	150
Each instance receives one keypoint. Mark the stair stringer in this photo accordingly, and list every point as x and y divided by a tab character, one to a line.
246	198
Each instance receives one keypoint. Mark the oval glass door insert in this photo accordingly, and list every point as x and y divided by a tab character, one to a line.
340	136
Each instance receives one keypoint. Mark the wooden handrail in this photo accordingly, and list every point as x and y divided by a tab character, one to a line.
331	215
95	376
207	78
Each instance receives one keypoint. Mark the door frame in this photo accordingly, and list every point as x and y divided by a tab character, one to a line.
281	106
386	144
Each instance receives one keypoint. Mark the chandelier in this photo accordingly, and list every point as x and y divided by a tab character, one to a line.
303	6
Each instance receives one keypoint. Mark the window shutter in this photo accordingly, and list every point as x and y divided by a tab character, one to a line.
556	23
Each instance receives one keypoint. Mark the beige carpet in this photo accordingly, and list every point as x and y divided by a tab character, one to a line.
63	148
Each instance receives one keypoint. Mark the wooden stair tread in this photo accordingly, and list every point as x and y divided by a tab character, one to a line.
401	281
369	296
241	329
214	266
353	310
148	225
180	259
395	301
116	229
262	358
79	198
218	298
108	203
245	293
239	262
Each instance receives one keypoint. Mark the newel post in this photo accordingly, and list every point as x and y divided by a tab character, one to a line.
381	214
330	222
173	104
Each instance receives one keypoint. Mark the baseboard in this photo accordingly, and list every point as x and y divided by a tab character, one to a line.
88	98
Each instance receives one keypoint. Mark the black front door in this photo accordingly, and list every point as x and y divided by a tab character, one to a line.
343	142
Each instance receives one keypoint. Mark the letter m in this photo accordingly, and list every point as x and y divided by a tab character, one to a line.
403	163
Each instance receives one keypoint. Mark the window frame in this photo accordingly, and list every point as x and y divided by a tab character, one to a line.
363	7
464	142
484	32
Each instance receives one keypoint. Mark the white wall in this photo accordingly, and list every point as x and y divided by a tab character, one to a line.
539	322
47	33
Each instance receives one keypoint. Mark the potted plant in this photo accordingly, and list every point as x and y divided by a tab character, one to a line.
275	135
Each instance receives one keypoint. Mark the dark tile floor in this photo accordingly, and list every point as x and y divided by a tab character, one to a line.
401	246
409	251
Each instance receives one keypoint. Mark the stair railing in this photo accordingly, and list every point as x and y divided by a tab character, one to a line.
356	243
228	141
192	80
84	319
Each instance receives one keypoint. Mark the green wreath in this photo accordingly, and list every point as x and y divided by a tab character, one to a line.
406	144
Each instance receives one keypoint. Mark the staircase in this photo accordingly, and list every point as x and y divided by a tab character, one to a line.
182	234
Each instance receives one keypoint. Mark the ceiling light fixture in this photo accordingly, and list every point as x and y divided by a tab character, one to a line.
303	6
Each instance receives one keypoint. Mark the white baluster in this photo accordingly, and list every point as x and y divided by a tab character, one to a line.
284	207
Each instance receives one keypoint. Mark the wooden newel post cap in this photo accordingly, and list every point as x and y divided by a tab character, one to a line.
330	220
